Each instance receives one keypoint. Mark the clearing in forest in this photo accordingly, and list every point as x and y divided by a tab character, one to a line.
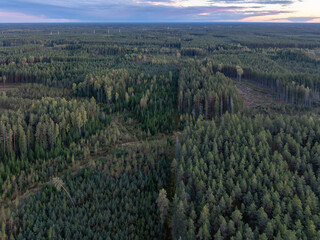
9	86
254	95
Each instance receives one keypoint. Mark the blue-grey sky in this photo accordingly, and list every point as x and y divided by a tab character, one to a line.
159	10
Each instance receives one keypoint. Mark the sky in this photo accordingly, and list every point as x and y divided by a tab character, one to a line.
42	11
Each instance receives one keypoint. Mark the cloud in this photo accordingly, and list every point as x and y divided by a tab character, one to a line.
165	13
74	3
264	16
128	11
18	17
262	2
315	20
301	19
148	10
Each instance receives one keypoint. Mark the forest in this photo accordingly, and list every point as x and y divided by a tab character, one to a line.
160	131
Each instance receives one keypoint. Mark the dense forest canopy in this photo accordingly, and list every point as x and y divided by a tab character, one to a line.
159	131
249	178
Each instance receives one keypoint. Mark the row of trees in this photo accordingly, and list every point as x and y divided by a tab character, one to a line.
202	92
38	91
292	89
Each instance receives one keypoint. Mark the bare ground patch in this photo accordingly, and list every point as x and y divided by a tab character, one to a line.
254	95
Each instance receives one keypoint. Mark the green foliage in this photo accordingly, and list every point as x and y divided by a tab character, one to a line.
100	111
114	199
39	130
202	92
240	173
150	98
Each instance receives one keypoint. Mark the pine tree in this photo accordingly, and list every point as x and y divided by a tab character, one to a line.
163	206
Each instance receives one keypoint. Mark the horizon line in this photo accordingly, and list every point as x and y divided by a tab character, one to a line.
154	22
